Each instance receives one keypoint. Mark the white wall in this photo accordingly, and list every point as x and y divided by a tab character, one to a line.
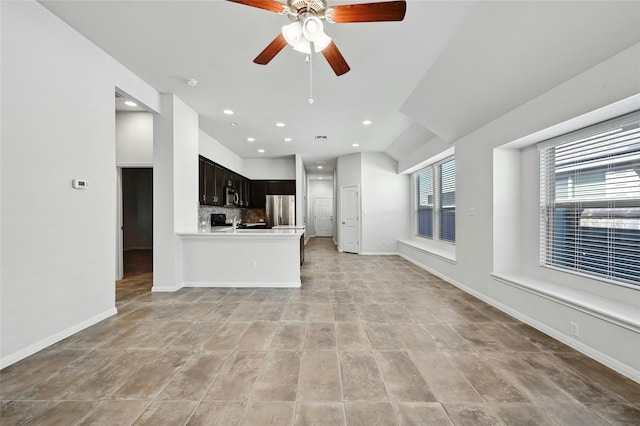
134	139
58	123
215	151
267	168
301	192
277	168
489	241
384	201
175	189
318	189
384	197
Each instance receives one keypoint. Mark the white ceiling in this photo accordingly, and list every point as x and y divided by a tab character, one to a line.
447	69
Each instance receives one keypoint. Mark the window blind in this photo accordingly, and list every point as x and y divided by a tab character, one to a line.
448	201
590	200
425	202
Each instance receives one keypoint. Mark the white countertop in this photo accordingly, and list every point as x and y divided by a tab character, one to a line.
227	231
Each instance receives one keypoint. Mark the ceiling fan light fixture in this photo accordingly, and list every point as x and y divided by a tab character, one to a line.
321	42
312	28
292	33
303	47
294	37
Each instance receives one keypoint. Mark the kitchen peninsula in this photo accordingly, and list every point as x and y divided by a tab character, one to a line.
228	257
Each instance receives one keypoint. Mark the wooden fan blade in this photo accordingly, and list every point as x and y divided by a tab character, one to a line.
270	5
335	59
370	12
271	50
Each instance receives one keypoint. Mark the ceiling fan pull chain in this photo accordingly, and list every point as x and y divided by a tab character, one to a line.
311	77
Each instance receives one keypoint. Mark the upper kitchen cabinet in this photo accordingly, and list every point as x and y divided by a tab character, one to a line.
209	188
219	173
260	188
202	192
215	179
246	193
258	191
281	187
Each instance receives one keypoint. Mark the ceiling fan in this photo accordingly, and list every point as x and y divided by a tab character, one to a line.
306	31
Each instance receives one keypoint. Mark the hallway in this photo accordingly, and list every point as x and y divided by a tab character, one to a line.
366	340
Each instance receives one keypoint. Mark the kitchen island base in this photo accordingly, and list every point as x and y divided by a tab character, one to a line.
244	258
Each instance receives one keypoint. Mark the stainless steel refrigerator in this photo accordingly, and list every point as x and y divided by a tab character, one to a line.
280	210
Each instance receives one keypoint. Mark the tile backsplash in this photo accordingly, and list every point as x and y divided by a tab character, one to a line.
244	215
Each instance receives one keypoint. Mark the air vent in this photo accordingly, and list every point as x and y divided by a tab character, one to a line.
321	138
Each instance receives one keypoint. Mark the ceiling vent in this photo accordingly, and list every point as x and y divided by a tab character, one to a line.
321	138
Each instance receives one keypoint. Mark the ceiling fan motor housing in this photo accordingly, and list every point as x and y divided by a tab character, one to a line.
316	7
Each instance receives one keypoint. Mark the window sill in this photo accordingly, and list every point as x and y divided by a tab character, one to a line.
439	253
623	315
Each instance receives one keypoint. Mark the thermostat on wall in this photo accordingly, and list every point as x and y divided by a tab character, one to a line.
80	184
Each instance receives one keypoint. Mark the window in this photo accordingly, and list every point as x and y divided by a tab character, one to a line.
436	204
590	200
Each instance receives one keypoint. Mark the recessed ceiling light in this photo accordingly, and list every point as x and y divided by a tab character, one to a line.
280	124
287	139
130	103
355	144
251	139
235	123
320	178
367	122
319	167
228	112
261	151
192	81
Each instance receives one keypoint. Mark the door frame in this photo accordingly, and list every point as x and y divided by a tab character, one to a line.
119	231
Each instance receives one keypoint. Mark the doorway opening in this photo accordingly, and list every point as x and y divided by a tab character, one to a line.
137	222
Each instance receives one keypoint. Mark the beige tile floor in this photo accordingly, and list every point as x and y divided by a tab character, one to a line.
366	341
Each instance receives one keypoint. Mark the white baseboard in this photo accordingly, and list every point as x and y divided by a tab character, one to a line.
38	346
380	253
166	288
249	284
589	351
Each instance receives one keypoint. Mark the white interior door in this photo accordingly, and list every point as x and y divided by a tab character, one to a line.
350	219
323	209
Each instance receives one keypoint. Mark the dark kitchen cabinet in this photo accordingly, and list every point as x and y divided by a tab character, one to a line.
207	185
219	174
258	191
246	195
214	180
281	187
202	192
260	188
237	185
228	178
211	195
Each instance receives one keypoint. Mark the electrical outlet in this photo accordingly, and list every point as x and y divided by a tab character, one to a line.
575	329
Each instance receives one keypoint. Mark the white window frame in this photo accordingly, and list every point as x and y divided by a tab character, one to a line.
549	202
437	207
